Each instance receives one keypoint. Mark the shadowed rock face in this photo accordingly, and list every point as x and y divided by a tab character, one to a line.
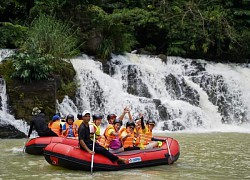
178	89
135	83
10	132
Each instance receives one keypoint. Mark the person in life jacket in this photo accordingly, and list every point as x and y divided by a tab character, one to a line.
70	129
95	127
55	125
114	142
112	137
129	137
38	122
79	120
145	133
86	143
112	117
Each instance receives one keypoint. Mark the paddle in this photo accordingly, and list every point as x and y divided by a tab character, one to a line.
92	160
169	152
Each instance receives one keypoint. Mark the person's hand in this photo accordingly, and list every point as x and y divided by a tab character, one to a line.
126	110
91	152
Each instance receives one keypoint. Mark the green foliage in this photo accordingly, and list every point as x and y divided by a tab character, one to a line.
67	89
11	35
50	36
31	67
6	70
199	29
117	37
47	7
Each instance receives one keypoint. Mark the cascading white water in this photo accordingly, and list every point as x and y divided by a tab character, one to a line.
5	116
103	93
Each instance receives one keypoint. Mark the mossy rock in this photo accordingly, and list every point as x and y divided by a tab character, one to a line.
23	97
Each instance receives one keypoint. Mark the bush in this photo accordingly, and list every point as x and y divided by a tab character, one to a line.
50	36
31	67
12	36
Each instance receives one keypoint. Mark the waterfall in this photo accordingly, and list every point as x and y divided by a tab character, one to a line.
5	117
180	94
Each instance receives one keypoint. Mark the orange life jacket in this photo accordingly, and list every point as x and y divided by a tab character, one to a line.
105	139
56	127
75	130
130	141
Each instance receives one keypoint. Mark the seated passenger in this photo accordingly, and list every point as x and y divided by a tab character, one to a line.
95	127
114	138
55	125
78	122
38	122
70	129
112	117
87	144
146	134
129	137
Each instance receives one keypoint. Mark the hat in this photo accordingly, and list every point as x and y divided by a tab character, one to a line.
56	117
35	111
85	112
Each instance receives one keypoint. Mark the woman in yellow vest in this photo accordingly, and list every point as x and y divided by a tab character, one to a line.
129	137
55	125
95	127
70	129
113	137
145	133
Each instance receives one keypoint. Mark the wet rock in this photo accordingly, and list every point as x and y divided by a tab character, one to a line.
10	132
178	89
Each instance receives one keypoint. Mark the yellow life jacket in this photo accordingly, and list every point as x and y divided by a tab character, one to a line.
105	139
78	122
94	129
145	136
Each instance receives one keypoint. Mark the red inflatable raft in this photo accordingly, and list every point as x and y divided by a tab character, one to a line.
72	157
36	145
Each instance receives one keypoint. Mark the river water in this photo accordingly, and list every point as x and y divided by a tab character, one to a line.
214	155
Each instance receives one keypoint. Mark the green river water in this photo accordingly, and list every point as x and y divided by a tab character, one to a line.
202	156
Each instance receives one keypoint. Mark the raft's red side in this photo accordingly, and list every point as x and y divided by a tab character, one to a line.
36	145
72	157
